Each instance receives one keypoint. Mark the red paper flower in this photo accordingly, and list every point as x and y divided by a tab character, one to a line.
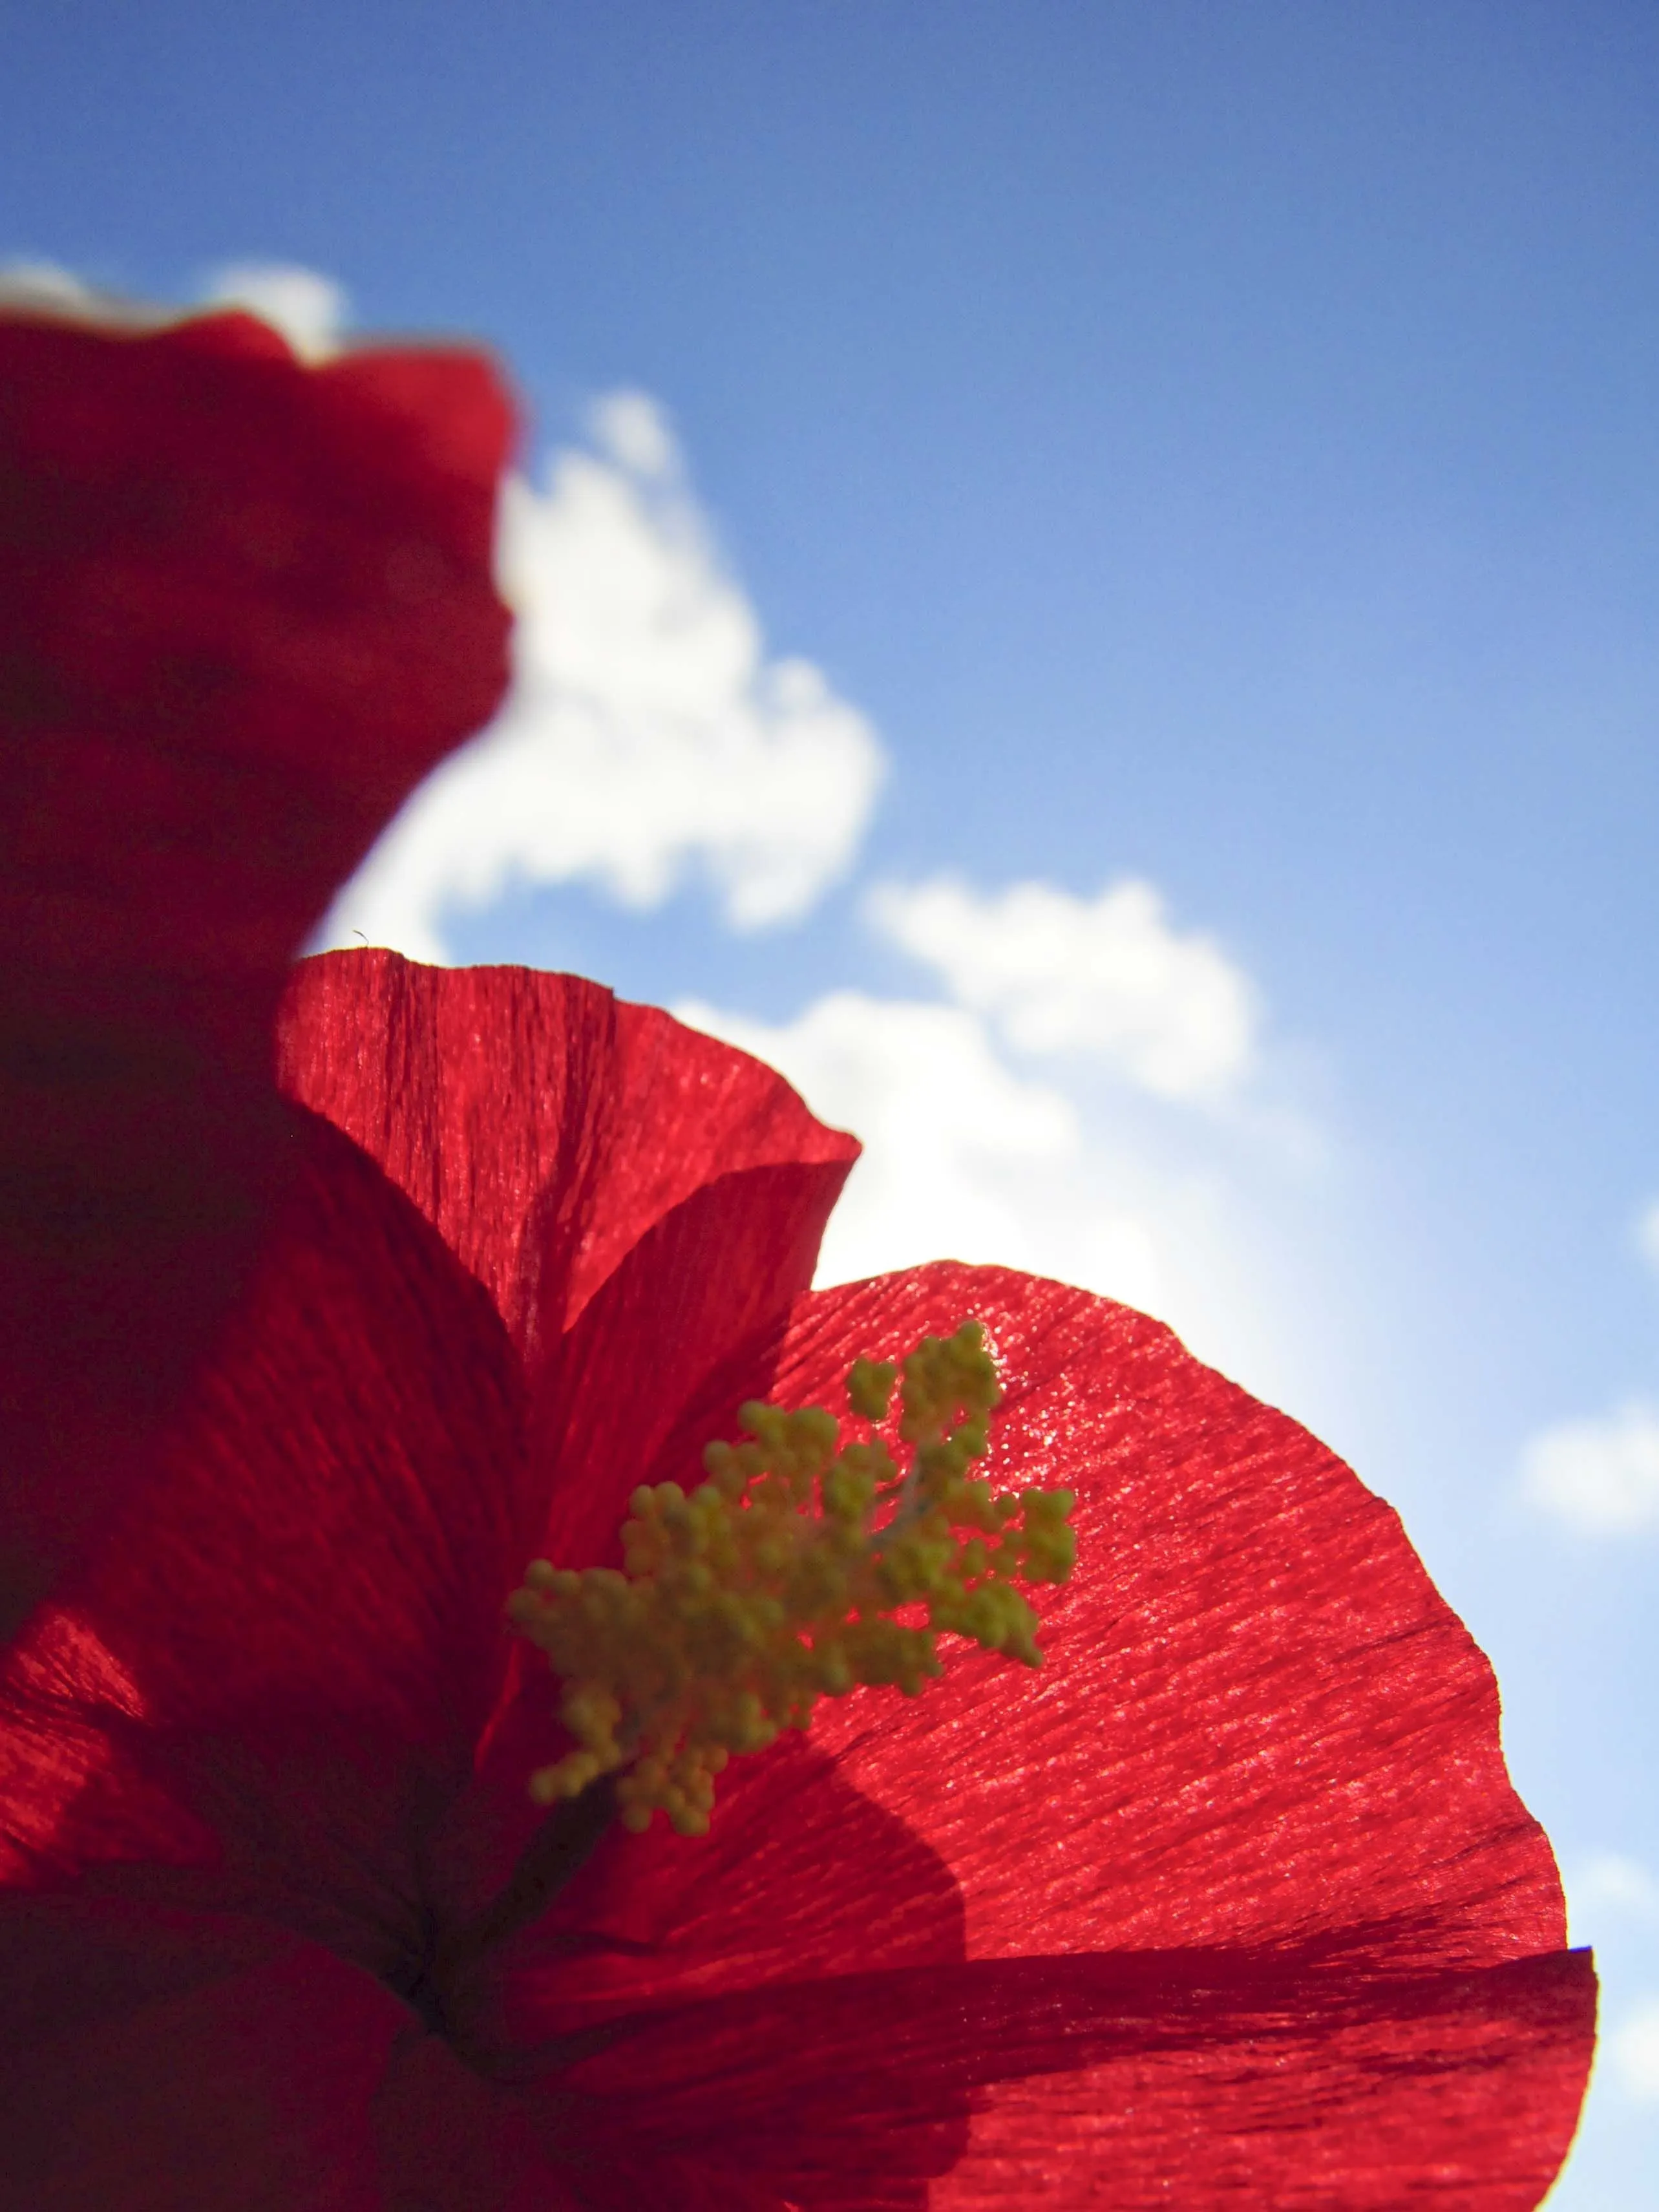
1230	1904
243	607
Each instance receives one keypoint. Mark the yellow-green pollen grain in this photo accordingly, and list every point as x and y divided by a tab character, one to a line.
775	1583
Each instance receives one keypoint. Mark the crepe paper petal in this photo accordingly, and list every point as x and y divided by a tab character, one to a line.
708	1284
801	1879
692	1109
1229	1903
710	1276
1257	1728
167	2058
543	1126
1206	2079
244	605
157	2059
1249	1648
1460	2088
486	1094
716	1274
448	2140
277	1670
638	1199
1258	1915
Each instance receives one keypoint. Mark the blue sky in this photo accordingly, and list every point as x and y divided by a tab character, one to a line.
1200	447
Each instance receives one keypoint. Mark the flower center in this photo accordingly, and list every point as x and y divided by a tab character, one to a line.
781	1579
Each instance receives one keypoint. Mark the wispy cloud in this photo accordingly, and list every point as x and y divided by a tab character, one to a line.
970	1158
1109	977
1633	2047
309	309
45	286
1598	1475
650	739
954	1143
1610	1886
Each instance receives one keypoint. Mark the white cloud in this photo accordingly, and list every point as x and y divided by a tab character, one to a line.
1610	1885
1108	975
965	1159
648	737
953	1142
1633	2047
634	430
1600	1476
43	286
1647	1234
308	309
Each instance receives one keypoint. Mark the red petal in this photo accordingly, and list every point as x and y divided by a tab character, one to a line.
244	606
156	2059
659	1920
706	1288
704	1291
1257	1783
712	1281
1202	2079
655	1927
1339	2091
639	1199
692	1109
1257	1720
542	1126
486	1094
272	1681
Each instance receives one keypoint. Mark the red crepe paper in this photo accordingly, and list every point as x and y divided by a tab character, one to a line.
319	1319
1230	1903
244	605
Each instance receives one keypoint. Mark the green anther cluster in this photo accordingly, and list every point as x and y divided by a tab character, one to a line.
778	1580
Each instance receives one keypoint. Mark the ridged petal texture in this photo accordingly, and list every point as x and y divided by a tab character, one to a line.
1230	1903
244	605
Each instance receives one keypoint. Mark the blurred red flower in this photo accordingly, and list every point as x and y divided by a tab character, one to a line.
243	607
1231	1903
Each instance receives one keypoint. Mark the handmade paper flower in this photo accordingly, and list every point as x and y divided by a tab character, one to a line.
243	607
1229	1902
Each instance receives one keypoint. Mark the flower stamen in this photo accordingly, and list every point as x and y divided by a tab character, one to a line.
781	1578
